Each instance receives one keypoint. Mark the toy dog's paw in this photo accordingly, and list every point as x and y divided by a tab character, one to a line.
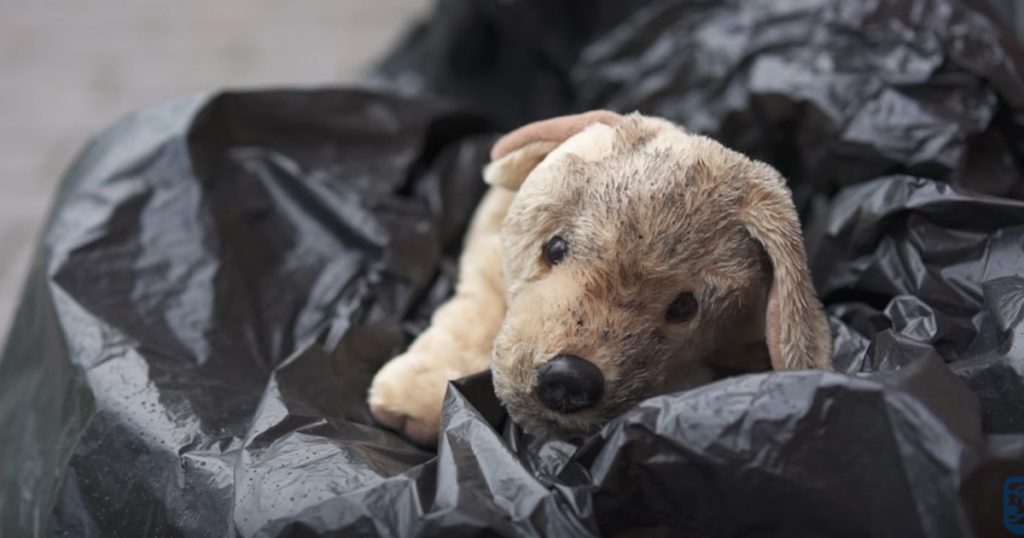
407	395
421	430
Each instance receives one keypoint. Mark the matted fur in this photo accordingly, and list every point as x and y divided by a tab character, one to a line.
649	211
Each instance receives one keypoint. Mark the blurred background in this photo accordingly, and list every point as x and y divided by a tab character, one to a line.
71	69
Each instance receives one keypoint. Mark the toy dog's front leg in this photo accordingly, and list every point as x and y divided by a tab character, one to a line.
407	392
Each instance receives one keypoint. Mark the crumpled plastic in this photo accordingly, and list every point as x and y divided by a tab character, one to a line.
221	276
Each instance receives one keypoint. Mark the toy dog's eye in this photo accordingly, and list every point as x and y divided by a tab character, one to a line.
555	249
682	308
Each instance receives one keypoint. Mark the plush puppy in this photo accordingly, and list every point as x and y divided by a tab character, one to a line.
614	258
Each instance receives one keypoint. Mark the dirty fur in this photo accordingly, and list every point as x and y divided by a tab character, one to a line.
649	211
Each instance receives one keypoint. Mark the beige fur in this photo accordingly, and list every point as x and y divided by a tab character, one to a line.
649	211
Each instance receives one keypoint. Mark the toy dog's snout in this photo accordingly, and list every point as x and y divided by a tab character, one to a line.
568	383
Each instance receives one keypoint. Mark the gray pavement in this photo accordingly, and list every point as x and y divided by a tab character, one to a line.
69	69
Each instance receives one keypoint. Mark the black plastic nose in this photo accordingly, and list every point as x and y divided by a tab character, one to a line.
568	383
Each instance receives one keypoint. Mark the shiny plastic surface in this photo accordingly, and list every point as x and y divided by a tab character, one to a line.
221	276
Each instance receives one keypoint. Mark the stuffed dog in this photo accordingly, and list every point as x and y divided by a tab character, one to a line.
613	258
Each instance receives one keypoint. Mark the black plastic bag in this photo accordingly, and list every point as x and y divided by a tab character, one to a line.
831	92
222	275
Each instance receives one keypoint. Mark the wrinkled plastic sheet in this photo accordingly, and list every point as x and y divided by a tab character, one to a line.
221	275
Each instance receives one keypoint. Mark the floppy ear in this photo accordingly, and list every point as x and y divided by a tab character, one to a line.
517	153
796	330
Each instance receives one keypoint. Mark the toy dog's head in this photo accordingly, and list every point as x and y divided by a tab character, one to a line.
641	259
